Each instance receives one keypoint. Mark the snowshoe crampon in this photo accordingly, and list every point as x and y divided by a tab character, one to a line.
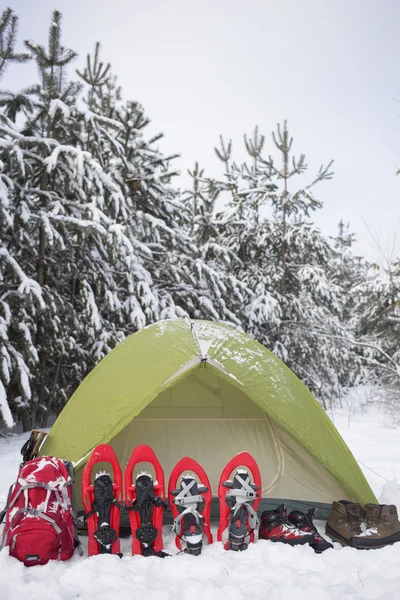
191	522
102	501
244	492
145	502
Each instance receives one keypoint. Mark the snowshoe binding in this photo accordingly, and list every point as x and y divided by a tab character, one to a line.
190	521
240	518
145	503
102	501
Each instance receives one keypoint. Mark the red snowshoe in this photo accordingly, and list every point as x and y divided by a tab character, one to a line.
102	501
241	517
189	523
145	500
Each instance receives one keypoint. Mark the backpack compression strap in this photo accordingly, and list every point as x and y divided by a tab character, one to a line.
4	511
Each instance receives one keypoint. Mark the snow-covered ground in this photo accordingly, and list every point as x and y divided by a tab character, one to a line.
265	570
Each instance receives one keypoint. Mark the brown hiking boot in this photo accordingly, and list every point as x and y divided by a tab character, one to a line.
383	527
344	522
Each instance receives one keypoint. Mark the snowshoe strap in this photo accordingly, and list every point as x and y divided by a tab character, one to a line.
106	536
243	494
254	520
252	516
238	530
103	501
184	496
160	554
146	534
148	490
188	526
182	515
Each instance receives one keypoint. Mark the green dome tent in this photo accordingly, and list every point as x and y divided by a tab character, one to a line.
206	390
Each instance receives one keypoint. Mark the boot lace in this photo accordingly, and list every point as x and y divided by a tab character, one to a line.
310	523
373	520
354	528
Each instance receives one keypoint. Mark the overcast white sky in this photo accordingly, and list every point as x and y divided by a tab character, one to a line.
201	69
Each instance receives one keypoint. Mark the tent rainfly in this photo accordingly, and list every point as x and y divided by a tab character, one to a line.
205	390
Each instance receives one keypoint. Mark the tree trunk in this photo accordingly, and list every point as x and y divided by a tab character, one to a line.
41	331
283	258
284	209
41	255
53	393
42	374
26	424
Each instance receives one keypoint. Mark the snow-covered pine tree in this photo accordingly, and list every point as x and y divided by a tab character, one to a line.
64	240
311	302
284	260
348	271
102	238
228	294
8	39
183	277
246	231
114	133
17	352
377	325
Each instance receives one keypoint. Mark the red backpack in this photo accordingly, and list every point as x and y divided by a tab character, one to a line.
40	521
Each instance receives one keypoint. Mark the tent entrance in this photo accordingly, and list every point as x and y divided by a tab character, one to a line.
204	416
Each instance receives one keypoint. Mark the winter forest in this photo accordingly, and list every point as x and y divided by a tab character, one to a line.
98	239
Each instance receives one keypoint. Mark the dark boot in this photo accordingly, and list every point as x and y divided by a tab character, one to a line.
275	527
344	522
305	523
383	527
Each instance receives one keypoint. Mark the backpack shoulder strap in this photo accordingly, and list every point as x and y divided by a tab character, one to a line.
4	511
